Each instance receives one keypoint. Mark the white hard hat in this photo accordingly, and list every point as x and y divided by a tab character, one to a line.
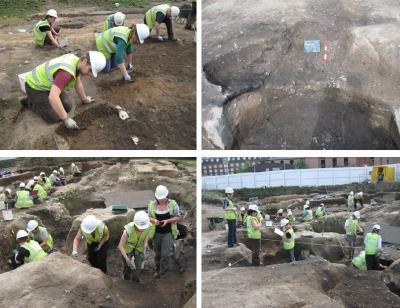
119	18
54	171
306	206
22	234
89	224
307	202
377	227
175	11
322	204
32	225
361	193
29	184
161	192
253	207
242	208
8	190
72	165
142	31
42	174
356	214
352	193
280	211
22	185
36	178
61	169
229	190
141	220
52	13
284	222
98	63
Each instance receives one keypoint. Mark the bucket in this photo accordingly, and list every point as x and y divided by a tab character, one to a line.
22	80
7	215
2	206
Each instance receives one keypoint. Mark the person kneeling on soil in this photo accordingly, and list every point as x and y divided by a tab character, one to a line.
10	198
230	217
159	14
307	212
164	214
288	238
40	235
96	235
358	198
28	250
46	181
45	33
61	175
133	245
116	45
290	216
29	186
114	20
38	189
46	83
320	212
350	201
75	170
24	199
55	179
351	226
373	246
254	234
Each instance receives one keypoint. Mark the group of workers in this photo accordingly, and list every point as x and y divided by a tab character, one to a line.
45	85
159	224
368	259
353	199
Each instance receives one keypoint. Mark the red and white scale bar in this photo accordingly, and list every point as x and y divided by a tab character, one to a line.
326	54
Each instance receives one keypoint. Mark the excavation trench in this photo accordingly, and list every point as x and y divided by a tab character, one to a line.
327	119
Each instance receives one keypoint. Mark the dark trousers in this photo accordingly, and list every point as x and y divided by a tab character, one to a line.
372	262
192	16
232	232
358	201
130	273
98	259
291	255
38	102
255	247
163	246
168	24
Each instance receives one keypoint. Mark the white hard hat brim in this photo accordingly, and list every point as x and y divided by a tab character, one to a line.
88	231
160	196
143	227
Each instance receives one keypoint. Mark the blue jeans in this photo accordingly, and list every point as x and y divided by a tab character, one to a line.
291	255
110	63
231	232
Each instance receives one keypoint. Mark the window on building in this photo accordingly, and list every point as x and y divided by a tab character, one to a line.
346	161
211	159
291	162
215	166
334	162
372	159
322	163
282	162
387	160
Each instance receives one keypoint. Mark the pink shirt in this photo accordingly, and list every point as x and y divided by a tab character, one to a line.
61	79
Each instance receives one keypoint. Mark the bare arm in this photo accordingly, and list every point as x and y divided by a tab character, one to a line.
106	236
56	103
157	27
121	245
80	90
77	240
52	39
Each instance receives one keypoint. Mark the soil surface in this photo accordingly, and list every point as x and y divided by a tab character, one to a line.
161	102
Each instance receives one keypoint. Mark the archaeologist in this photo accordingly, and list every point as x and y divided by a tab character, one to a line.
46	83
373	246
164	214
254	234
133	245
10	198
320	212
45	33
291	216
230	217
2	195
54	178
46	181
40	235
114	20
359	261
279	214
350	202
38	188
96	235
61	175
241	217
28	250
116	44
75	170
159	14
358	198
192	16
24	199
352	226
288	238
307	212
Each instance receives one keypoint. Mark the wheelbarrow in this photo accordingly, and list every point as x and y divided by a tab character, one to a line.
213	221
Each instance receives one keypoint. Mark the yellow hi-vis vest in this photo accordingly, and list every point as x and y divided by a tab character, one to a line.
42	194
98	233
24	200
288	243
40	238
152	13
35	251
360	262
135	242
41	77
151	209
230	214
109	23
38	35
307	215
371	247
105	42
351	228
251	232
47	183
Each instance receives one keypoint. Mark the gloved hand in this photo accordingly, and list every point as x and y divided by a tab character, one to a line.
132	264
123	115
127	77
160	38
70	124
88	100
97	249
74	253
129	67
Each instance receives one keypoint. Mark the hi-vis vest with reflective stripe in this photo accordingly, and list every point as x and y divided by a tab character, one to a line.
152	13
24	200
319	212
151	209
42	194
98	233
41	77
35	251
39	35
307	215
360	262
351	228
105	42
108	23
134	242
229	214
288	243
350	200
371	247
39	238
47	185
251	232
